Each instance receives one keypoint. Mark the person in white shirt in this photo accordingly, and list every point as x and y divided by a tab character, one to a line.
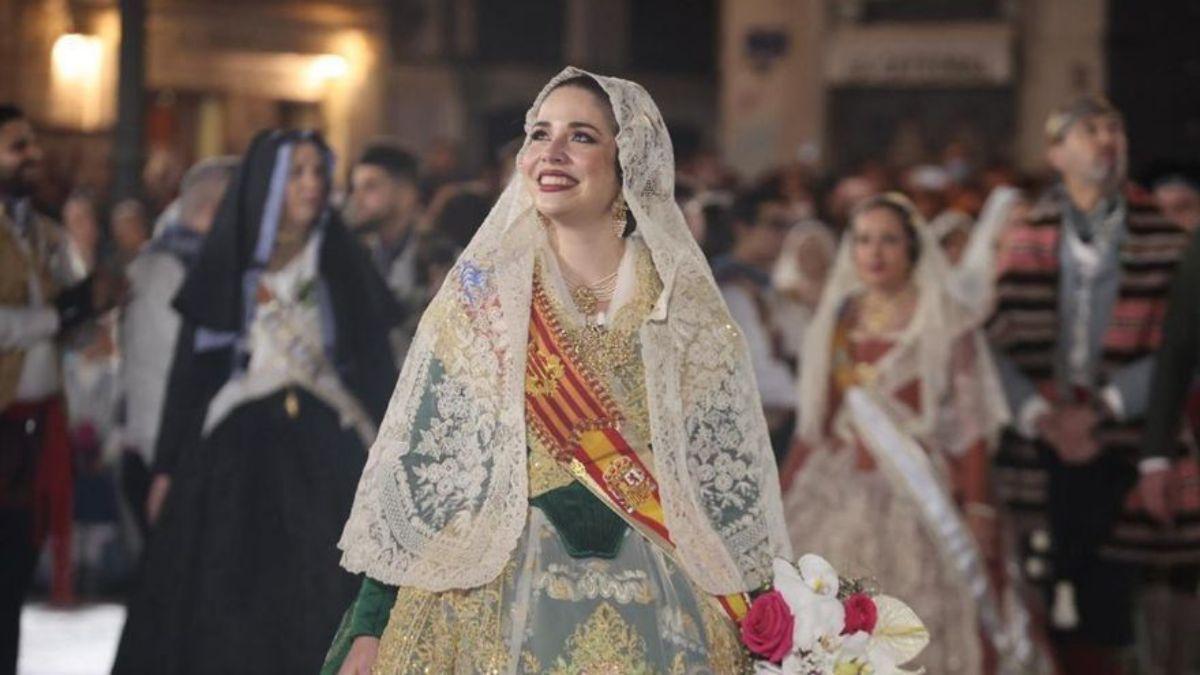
38	306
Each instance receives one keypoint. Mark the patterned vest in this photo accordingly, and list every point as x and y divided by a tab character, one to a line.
17	262
1027	329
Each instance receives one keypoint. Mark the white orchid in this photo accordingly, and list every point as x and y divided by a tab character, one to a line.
811	594
810	588
819	575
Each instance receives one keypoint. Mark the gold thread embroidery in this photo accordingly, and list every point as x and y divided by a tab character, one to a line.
603	645
630	484
554	371
446	632
725	651
545	472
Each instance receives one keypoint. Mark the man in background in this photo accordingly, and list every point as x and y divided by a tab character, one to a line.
39	305
383	209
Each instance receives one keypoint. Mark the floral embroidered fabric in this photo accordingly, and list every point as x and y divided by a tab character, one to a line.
633	610
443	501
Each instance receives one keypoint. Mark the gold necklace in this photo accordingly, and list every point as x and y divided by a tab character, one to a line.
587	297
879	316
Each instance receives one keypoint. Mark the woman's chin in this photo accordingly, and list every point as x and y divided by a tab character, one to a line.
554	208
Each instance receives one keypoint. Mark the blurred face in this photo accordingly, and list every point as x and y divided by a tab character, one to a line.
570	165
1093	152
20	158
848	192
761	242
304	195
813	260
1180	204
881	250
376	197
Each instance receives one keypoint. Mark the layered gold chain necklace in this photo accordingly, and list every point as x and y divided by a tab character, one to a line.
587	296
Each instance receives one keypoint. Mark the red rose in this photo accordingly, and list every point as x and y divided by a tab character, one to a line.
767	628
861	614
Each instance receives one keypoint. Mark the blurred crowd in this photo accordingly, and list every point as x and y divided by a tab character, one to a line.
772	242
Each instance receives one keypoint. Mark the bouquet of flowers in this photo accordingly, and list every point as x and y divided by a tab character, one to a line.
811	622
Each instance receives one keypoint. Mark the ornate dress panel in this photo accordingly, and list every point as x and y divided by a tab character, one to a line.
553	612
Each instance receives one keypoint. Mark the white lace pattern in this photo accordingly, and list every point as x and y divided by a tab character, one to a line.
444	496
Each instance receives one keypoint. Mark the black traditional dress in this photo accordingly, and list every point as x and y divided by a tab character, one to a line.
278	383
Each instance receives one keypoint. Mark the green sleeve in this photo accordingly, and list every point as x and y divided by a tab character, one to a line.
367	615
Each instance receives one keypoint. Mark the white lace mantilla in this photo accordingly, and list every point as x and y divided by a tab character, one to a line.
444	495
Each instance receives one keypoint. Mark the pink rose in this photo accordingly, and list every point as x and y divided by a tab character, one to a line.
861	614
767	628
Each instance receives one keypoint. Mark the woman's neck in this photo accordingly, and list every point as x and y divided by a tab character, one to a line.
285	252
890	294
589	252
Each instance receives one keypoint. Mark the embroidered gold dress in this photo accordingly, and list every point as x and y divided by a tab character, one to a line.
585	591
840	503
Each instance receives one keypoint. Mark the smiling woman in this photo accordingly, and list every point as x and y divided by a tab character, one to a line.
574	475
887	327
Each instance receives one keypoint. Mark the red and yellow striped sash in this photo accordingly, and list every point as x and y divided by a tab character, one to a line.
571	413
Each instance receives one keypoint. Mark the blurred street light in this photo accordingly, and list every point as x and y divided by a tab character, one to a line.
329	67
77	57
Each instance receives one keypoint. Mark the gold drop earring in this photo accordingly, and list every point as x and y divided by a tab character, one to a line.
620	216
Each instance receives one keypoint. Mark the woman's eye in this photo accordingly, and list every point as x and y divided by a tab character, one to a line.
581	137
538	135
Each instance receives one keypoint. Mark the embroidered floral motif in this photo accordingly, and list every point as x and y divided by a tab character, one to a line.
590	581
550	372
603	645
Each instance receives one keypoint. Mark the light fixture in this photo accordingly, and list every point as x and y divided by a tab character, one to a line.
77	56
328	67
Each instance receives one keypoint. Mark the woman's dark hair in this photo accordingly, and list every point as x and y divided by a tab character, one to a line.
903	211
461	216
590	85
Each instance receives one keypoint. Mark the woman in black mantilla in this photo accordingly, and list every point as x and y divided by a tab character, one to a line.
281	375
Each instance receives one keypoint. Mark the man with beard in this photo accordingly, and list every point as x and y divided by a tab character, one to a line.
384	204
1080	298
37	307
